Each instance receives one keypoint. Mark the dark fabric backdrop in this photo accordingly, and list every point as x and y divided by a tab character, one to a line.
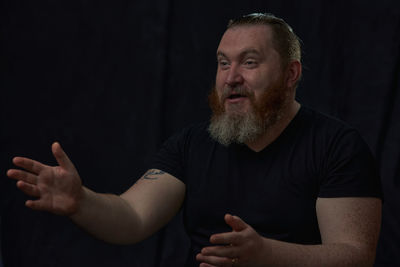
111	80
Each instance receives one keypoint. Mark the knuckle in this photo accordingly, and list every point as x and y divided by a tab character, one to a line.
227	262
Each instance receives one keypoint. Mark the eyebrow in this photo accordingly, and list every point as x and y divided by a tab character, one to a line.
242	54
220	54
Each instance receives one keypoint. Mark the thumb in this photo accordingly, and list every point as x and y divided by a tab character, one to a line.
235	222
61	157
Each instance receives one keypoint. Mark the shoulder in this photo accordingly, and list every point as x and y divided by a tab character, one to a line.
326	129
321	120
174	153
187	140
193	133
197	129
346	163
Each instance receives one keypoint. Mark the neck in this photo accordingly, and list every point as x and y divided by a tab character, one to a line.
275	131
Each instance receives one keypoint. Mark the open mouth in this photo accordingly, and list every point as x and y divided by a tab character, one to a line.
235	96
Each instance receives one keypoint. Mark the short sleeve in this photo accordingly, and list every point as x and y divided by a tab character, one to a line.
350	168
170	157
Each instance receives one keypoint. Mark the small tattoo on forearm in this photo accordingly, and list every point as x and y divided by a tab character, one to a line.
152	175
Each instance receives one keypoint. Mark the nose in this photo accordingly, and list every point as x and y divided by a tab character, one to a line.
234	76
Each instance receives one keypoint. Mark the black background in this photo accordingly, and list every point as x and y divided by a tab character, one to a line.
111	80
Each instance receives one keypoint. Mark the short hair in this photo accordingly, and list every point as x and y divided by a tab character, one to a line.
285	41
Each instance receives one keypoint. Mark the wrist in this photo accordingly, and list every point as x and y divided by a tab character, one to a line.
79	203
265	252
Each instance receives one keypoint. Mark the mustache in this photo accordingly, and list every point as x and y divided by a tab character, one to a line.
237	90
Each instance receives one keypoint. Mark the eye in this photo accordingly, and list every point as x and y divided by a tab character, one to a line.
250	62
223	63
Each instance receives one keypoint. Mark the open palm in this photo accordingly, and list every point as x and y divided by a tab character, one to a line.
57	189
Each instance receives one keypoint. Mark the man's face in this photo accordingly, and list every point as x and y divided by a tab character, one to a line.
248	67
250	91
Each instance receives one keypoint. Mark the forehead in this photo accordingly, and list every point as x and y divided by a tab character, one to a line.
245	37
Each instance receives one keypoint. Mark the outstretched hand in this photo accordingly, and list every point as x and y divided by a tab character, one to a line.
57	189
241	247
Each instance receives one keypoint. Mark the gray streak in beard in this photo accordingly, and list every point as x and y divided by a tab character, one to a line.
236	128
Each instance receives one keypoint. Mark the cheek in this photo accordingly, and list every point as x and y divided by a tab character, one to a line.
219	80
260	83
255	80
214	102
218	91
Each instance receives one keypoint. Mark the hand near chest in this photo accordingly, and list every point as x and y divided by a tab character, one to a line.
243	246
349	229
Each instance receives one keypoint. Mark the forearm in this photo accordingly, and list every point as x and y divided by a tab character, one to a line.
129	218
108	217
280	253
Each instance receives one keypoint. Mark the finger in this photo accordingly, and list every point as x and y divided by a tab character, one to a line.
22	175
225	238
235	222
36	204
61	156
29	189
213	260
30	165
220	251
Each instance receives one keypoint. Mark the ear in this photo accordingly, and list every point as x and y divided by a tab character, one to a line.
293	73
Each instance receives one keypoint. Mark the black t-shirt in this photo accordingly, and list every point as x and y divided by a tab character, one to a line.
273	190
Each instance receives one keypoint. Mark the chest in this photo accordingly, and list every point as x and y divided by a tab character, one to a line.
274	192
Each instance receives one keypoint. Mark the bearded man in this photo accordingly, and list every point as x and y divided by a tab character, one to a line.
267	182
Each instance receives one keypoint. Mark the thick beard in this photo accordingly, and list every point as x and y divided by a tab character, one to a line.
245	127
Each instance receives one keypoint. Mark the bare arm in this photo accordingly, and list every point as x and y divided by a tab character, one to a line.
349	230
139	212
128	218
